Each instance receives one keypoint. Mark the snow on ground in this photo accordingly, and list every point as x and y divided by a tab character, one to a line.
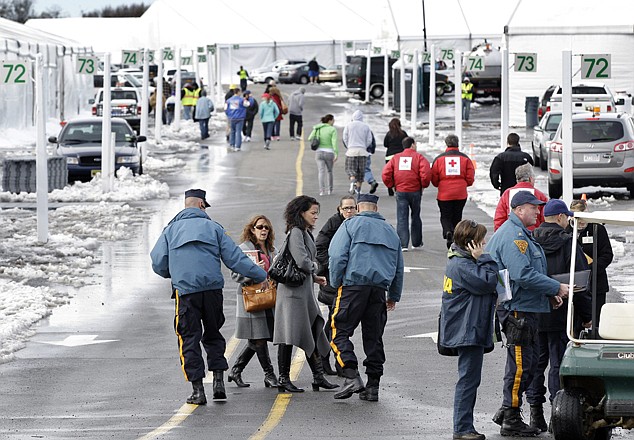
34	278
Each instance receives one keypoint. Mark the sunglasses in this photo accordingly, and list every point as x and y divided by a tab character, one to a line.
260	227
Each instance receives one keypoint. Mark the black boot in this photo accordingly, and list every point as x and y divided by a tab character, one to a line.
262	350
537	418
371	392
235	374
198	395
513	424
319	381
499	415
353	384
219	385
325	363
284	355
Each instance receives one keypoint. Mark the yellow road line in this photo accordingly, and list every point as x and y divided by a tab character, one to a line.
299	186
186	410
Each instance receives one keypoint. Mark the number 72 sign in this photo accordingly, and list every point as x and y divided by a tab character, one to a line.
14	72
596	66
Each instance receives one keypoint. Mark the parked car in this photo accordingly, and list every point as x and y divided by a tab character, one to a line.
356	70
80	142
295	74
330	74
586	96
621	99
542	135
125	103
270	72
603	152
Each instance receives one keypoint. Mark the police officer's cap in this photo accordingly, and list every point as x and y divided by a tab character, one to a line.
523	197
368	198
198	193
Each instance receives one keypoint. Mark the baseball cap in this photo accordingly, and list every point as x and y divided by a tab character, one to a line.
265	95
246	92
523	197
367	198
198	193
556	206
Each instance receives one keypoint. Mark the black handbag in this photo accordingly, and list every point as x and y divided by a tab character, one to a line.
284	270
314	143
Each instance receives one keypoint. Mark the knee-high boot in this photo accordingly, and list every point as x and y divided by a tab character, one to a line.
284	355
314	361
262	350
235	374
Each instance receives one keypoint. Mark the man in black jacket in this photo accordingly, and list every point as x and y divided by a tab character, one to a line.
347	208
557	244
502	171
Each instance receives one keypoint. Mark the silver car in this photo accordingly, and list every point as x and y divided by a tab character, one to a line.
543	133
603	152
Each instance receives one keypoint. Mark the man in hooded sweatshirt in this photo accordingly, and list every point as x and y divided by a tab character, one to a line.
357	138
295	110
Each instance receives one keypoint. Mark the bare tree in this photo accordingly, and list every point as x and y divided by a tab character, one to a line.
131	10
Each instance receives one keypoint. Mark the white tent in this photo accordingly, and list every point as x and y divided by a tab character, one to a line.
582	26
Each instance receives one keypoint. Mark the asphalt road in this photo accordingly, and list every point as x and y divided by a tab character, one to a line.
117	373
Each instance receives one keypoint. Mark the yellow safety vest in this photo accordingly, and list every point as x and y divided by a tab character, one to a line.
190	97
243	74
196	95
467	91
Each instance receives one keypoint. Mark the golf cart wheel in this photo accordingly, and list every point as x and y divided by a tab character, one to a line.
376	92
568	417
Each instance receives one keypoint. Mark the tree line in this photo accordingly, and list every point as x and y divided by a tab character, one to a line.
22	10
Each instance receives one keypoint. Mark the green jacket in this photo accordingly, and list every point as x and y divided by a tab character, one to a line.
327	137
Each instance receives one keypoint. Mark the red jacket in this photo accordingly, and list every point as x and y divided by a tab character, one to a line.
504	205
407	171
452	172
278	101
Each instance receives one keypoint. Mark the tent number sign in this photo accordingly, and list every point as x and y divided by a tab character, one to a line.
168	54
597	66
186	61
131	57
426	57
526	62
87	65
475	63
446	54
14	72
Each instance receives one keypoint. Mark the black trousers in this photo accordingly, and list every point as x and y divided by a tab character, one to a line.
293	119
354	305
199	318
450	214
247	128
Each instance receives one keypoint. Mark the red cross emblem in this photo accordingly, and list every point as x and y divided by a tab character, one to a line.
453	163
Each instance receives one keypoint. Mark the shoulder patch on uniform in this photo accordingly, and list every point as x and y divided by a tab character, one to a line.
522	245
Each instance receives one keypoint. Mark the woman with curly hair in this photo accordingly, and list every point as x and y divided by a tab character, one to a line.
257	327
298	320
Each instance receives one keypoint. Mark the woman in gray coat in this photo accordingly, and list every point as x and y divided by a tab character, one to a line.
257	327
298	320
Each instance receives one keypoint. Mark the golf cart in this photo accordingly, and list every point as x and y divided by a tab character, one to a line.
597	371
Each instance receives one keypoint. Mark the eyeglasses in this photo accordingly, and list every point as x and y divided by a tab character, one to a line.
348	208
260	227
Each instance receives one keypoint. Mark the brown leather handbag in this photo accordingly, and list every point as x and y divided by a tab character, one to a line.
259	296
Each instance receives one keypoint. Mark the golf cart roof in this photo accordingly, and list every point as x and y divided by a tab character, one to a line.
624	218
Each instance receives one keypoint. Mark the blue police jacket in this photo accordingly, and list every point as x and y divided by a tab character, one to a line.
514	248
468	300
189	252
366	251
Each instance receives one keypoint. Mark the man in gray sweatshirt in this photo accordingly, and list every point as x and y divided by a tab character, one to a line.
357	137
295	109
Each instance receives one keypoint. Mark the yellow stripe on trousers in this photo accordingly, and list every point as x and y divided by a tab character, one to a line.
519	370
180	338
335	349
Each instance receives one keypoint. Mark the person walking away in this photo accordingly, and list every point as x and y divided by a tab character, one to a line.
605	255
357	137
451	172
367	174
256	327
327	294
513	248
298	320
393	142
295	110
236	111
278	99
313	71
268	114
204	107
557	245
502	171
252	111
525	177
170	106
189	251
188	100
466	318
467	97
271	83
361	296
409	173
243	75
327	152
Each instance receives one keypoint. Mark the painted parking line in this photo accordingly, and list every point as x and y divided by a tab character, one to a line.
299	184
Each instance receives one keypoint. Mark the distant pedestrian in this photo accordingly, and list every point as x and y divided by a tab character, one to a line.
368	176
357	137
502	171
170	106
189	251
236	111
467	97
327	152
313	71
204	108
271	83
393	142
409	174
244	75
252	112
188	100
451	172
278	99
295	111
525	182
268	113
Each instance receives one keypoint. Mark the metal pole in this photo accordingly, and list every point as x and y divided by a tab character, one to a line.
458	95
144	96
368	66
432	97
41	158
219	100
177	92
403	106
504	121
414	92
107	149
566	125
158	109
386	82
344	78
210	77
